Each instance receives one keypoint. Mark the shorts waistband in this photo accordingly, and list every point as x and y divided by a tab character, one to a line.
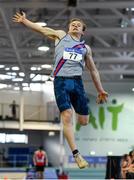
67	77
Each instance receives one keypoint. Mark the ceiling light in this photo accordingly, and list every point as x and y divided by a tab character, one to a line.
11	73
33	68
37	78
24	84
121	76
132	89
41	23
15	68
17	79
14	74
132	9
39	68
32	75
26	88
21	74
16	88
7	68
40	78
3	86
4	76
46	66
2	66
43	48
51	133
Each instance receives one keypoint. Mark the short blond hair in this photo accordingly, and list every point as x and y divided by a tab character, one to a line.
80	20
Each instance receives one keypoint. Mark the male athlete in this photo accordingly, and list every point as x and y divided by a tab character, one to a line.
71	56
40	160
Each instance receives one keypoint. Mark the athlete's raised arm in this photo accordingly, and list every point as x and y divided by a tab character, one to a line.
49	32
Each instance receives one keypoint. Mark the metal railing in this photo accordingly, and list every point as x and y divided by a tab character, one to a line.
19	160
31	112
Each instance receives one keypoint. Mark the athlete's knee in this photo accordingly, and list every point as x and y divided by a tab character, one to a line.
83	120
66	116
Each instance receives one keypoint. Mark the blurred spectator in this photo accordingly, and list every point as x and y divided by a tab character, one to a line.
13	107
125	163
63	175
40	160
131	154
127	168
130	173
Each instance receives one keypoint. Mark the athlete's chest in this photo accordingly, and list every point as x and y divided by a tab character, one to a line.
68	45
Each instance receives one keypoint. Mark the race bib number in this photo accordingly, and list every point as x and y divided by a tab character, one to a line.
72	54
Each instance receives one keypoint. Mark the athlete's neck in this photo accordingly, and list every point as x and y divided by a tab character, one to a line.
75	36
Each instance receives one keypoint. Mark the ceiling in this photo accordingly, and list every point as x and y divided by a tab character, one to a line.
110	33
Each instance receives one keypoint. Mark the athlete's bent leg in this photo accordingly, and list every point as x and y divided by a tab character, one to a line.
83	119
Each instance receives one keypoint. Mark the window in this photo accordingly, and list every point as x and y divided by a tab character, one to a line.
13	138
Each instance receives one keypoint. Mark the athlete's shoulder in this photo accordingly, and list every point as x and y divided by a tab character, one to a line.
61	33
87	46
36	152
44	152
89	51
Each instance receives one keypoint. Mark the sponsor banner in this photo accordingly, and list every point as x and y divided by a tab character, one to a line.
91	160
110	129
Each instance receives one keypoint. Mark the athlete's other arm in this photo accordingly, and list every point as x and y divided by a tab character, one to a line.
34	158
102	94
46	158
49	32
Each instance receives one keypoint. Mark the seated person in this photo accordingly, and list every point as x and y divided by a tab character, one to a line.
125	165
130	173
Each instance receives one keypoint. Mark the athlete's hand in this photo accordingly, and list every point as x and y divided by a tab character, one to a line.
102	97
19	17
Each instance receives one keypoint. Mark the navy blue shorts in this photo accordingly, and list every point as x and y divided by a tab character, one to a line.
70	92
39	168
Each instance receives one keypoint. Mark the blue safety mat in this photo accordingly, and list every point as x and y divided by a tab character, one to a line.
50	173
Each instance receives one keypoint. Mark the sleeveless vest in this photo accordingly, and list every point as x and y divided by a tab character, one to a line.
69	57
40	158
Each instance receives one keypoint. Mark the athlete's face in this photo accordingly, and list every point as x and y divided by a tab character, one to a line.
76	27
